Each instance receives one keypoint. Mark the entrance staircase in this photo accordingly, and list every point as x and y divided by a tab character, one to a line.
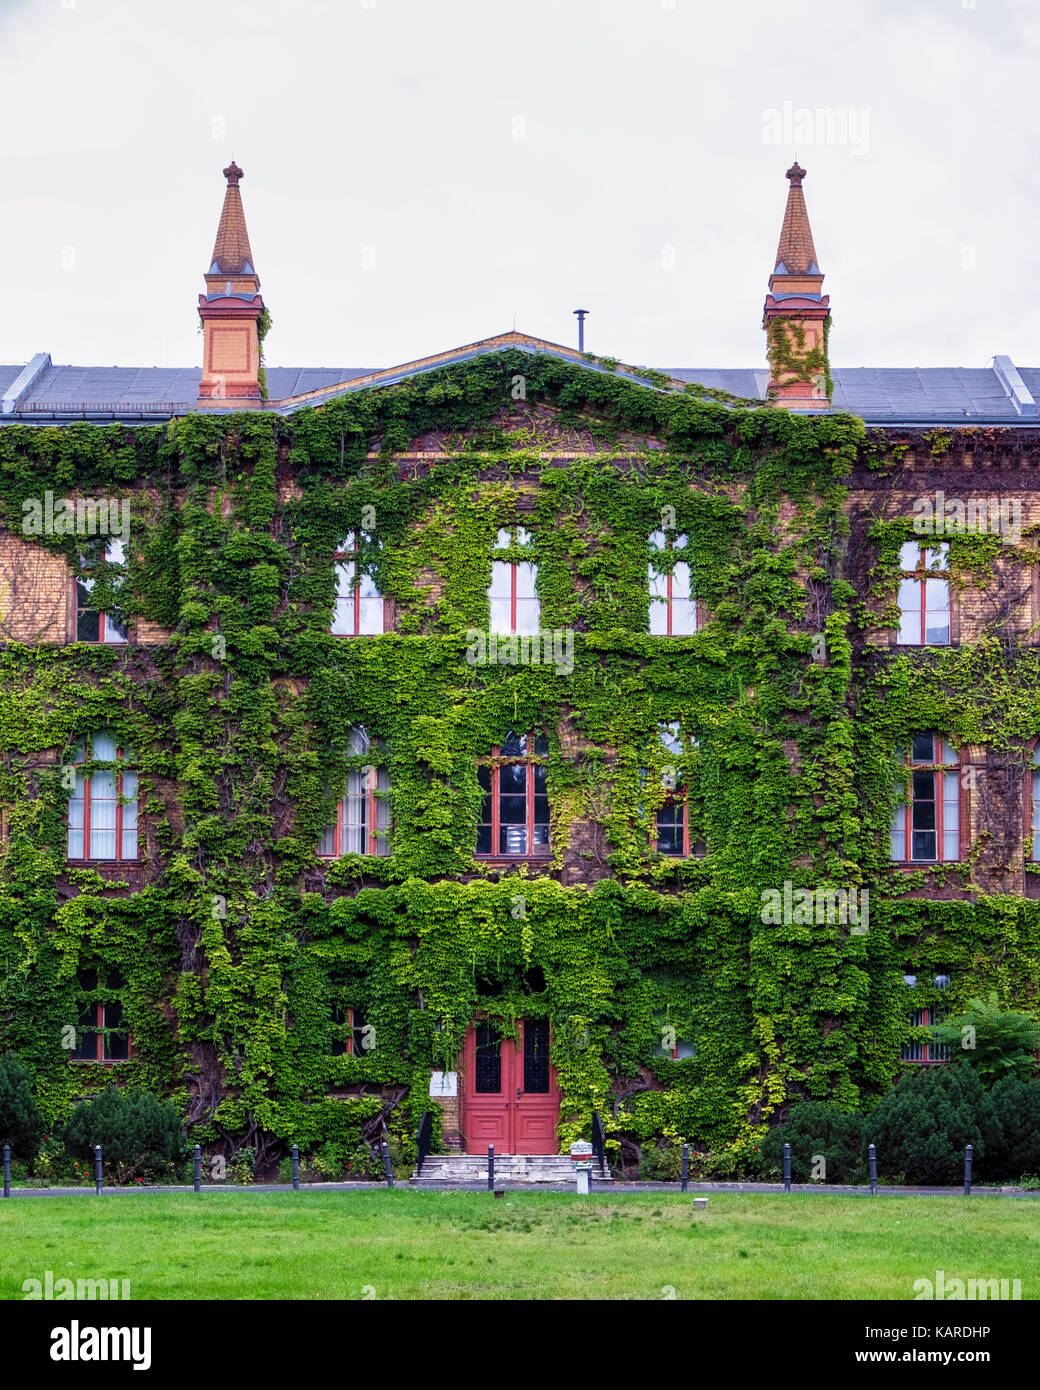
511	1170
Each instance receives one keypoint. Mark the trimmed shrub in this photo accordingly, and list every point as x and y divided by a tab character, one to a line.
814	1128
1017	1154
921	1126
21	1124
140	1136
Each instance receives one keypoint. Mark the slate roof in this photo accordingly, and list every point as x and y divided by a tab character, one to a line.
44	393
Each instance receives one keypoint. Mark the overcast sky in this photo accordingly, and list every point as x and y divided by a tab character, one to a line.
420	173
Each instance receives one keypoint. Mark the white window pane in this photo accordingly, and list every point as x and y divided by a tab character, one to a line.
684	617
347	543
937	630
102	842
526	578
658	541
658	583
658	618
368	586
669	735
681	542
501	616
115	552
681	581
504	540
910	630
328	842
501	579
104	747
937	595
937	559
1036	815
951	845
909	555
75	845
371	616
523	536
344	579
528	615
343	618
949	753
129	846
359	742
103	785
909	598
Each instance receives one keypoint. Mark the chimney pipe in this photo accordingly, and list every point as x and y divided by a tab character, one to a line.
581	328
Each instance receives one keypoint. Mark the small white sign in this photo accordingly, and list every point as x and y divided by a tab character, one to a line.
444	1083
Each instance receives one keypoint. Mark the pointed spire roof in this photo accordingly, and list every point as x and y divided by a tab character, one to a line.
231	251
796	254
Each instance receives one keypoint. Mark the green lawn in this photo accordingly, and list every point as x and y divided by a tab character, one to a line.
416	1245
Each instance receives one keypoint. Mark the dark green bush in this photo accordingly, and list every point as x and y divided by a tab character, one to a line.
922	1125
814	1128
995	1041
1017	1154
21	1124
140	1136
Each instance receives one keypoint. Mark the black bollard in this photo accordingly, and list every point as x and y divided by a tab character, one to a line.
491	1167
787	1167
872	1159
7	1170
386	1164
97	1169
296	1167
685	1175
198	1168
968	1152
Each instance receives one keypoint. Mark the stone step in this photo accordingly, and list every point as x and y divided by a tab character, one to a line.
509	1168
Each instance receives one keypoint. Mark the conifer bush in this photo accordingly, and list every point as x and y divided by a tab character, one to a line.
21	1124
140	1137
1017	1154
921	1127
816	1128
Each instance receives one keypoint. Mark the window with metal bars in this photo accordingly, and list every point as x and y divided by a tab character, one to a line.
926	829
102	817
513	596
362	821
94	624
101	1031
924	595
360	610
673	608
514	817
924	1049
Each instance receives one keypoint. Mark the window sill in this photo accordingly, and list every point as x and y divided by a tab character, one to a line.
497	860
907	864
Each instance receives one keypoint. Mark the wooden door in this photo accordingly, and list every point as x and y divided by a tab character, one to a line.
510	1094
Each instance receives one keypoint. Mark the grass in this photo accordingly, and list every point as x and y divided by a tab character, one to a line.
530	1245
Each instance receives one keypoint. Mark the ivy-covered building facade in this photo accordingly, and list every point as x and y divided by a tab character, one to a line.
512	734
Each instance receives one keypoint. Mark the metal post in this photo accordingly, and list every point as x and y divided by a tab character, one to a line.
967	1170
685	1176
97	1169
872	1160
491	1167
787	1167
581	315
387	1168
198	1168
296	1167
7	1170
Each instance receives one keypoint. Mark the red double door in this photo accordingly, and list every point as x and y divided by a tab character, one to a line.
511	1098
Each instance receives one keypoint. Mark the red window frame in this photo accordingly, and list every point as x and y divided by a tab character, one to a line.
352	556
373	831
676	798
668	598
353	1027
525	542
938	767
103	638
119	857
100	1036
924	1018
920	575
1031	804
494	765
